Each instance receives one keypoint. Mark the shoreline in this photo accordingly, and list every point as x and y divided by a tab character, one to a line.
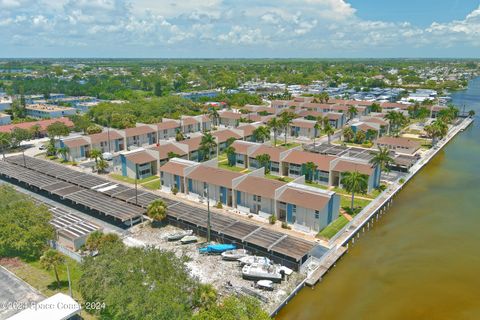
340	243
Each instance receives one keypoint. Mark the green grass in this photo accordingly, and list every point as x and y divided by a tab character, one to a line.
152	185
289	145
332	229
345	201
273	177
232	168
121	178
45	282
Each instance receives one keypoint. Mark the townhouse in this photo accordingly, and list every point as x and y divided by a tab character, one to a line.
137	164
224	136
140	136
192	124
305	208
167	129
110	141
78	148
339	166
42	124
168	150
303	128
294	164
398	144
229	118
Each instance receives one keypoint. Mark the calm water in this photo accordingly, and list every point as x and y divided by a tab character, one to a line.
422	260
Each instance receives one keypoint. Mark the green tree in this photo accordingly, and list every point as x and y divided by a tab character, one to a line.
102	165
57	129
81	123
18	135
98	240
352	111
172	154
214	116
348	134
63	151
360	137
24	225
261	133
35	131
375	107
205	296
371	134
230	152
157	210
207	145
179	136
96	154
5	142
354	182
286	121
310	169
234	308
382	159
51	259
139	283
93	129
158	89
274	125
264	161
329	131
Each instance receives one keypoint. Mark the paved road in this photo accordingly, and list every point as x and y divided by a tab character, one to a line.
15	291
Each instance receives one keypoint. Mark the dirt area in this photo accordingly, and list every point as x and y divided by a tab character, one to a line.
211	268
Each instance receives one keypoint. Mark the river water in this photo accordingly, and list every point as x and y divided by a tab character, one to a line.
422	259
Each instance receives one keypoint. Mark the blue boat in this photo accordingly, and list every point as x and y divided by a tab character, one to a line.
217	248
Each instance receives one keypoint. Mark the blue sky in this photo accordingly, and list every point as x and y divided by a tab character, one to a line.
240	28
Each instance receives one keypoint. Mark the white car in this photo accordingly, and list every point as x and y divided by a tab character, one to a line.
107	156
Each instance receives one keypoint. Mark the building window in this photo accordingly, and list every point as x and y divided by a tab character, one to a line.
257	198
317	214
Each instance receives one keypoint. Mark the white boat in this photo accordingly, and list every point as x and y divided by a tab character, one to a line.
236	254
258	271
188	239
264	285
285	270
179	235
254	259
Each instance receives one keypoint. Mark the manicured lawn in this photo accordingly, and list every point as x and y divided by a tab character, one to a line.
130	180
222	157
152	185
372	195
284	179
232	168
332	229
345	201
290	145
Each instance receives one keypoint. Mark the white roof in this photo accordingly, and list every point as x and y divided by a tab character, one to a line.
57	307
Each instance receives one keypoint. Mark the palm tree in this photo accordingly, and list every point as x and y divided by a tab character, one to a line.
275	125
382	159
348	134
157	210
261	133
230	152
63	151
392	117
371	134
102	165
96	154
264	161
207	144
179	136
286	119
214	115
35	130
360	137
5	141
51	259
352	111
310	169
354	182
329	131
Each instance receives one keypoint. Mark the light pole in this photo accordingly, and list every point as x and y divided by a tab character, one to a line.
108	133
136	188
208	214
69	281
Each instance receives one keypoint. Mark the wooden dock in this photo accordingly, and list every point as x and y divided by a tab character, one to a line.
326	264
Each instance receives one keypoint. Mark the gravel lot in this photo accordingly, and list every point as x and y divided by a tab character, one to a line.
210	268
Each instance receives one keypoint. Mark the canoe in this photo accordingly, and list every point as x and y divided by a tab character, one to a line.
232	255
217	248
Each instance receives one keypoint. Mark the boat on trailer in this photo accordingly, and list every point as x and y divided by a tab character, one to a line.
217	248
232	255
264	285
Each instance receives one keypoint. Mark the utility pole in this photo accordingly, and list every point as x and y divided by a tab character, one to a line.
69	281
136	187
208	215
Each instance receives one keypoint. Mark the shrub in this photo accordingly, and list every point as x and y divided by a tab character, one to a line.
401	180
285	225
174	190
219	205
272	219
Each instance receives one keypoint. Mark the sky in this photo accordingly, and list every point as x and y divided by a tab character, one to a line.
240	29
